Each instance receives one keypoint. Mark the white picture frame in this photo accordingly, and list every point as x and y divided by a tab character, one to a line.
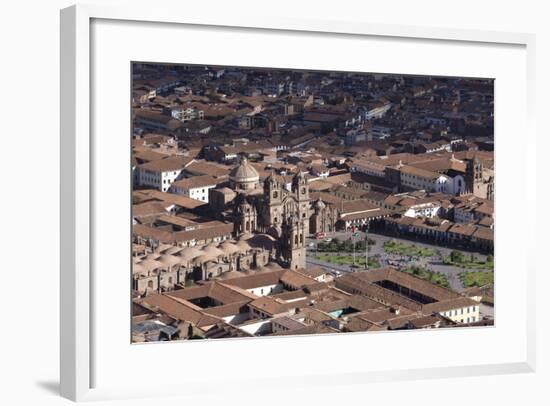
77	323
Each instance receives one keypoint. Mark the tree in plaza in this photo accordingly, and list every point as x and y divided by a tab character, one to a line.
457	256
334	246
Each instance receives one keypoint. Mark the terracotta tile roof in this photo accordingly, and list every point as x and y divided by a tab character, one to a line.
422	173
215	290
450	304
146	155
356	206
357	324
339	179
462	229
288	322
178	311
312	272
168	237
195	182
151	208
312	329
484	233
296	279
424	321
273	306
173	163
176	220
262	278
326	197
352	284
170	198
441	165
208	168
412	282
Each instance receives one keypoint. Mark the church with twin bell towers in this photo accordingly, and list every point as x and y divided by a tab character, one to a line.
279	211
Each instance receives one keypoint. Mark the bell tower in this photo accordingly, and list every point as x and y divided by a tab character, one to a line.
293	242
474	175
300	190
246	216
273	196
300	187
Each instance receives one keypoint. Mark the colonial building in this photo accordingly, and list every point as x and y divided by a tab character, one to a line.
161	173
479	180
275	209
195	187
323	218
244	177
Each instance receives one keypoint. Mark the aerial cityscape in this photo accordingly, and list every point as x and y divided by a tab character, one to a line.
270	202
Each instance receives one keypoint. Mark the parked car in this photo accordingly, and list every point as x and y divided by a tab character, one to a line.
319	236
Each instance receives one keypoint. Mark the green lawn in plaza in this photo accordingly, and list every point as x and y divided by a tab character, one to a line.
466	261
393	247
471	279
337	245
341	259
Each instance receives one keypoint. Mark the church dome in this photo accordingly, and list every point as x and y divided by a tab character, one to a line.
150	264
189	253
169	260
229	248
212	250
245	172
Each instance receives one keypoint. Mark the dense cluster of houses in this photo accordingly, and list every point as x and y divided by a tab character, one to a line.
233	169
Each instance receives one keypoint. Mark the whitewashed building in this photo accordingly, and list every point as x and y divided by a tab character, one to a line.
195	187
368	167
460	310
430	209
185	114
421	179
377	110
161	173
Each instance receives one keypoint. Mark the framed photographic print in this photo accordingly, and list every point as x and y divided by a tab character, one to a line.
323	190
